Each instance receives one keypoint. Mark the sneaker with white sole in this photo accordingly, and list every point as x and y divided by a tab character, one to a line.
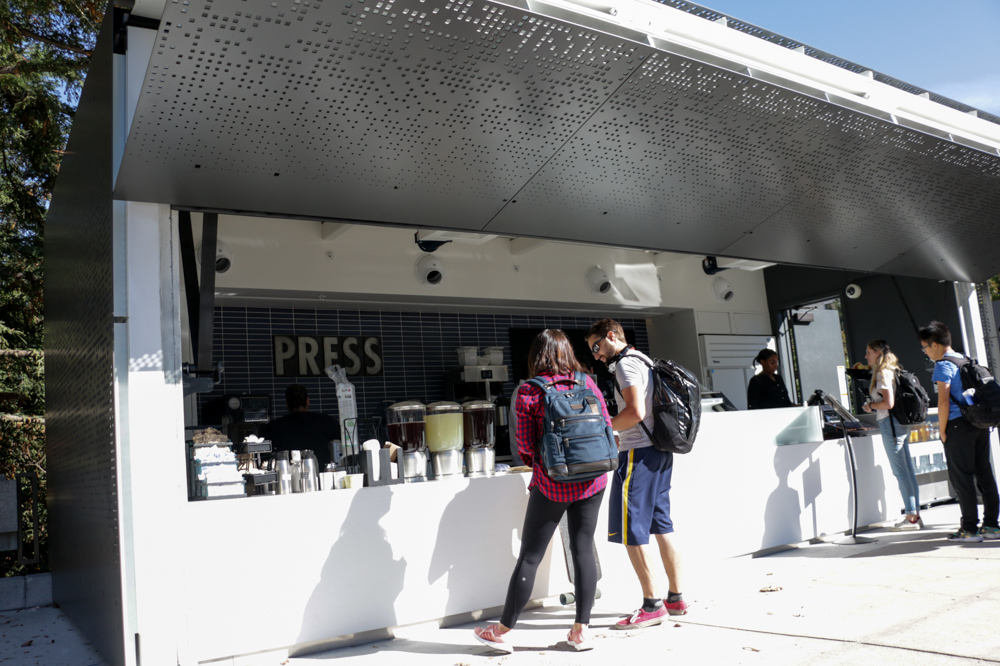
965	536
989	533
578	640
676	608
905	525
492	637
641	618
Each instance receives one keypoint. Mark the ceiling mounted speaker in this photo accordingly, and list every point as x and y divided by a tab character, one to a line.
722	290
430	270
597	280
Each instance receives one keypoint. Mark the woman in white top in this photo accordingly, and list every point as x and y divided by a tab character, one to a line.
884	366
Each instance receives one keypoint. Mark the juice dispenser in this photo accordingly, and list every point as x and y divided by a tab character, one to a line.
478	420
444	438
406	430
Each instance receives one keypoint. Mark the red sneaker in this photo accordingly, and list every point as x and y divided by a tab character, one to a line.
491	636
676	608
641	618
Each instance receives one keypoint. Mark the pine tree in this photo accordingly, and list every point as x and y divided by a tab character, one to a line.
45	48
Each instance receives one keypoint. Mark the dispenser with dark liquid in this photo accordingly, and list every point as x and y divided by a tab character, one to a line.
406	421
479	430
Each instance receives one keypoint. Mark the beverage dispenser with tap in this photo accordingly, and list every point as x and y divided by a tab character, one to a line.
444	438
406	422
479	418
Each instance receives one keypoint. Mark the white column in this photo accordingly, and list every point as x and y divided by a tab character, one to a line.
152	441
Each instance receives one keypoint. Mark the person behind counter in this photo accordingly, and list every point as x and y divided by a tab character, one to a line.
551	358
884	366
766	389
301	429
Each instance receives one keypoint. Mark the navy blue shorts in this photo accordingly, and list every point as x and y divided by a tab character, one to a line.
640	496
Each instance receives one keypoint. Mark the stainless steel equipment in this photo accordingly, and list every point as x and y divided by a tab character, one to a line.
444	437
479	437
310	473
283	468
407	428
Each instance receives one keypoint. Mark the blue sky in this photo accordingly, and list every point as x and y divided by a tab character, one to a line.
948	47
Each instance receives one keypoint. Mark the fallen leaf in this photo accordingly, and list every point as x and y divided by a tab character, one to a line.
27	644
751	649
771	588
677	625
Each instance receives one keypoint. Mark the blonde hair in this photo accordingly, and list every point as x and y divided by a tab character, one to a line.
886	361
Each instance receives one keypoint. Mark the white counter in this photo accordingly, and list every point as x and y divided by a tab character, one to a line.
293	572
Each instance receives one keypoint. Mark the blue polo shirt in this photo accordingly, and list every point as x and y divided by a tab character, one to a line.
947	372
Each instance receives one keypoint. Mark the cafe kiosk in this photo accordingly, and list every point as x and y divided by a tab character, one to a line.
298	136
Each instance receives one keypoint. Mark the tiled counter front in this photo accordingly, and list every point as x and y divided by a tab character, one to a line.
417	349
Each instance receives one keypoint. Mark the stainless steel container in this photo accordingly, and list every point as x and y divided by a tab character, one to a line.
284	471
310	473
296	467
479	462
414	466
447	463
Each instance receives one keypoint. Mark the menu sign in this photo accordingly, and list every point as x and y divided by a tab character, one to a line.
309	355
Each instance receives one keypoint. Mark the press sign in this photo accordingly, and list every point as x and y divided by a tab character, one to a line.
309	355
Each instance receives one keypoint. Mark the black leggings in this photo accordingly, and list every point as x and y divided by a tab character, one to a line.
540	522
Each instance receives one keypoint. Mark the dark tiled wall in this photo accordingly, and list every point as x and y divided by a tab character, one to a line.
417	349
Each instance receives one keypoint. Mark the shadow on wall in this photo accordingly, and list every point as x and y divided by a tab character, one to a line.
782	524
471	584
378	579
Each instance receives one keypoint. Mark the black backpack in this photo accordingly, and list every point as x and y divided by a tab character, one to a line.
984	412
676	406
911	401
577	444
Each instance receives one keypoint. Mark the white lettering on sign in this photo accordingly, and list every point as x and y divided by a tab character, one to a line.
284	349
308	348
353	361
310	355
373	356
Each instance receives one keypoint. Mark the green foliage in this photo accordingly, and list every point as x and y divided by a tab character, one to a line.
994	283
45	47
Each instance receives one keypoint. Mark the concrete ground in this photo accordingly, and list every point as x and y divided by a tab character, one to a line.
909	598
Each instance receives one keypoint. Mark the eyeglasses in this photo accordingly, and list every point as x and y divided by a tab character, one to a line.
596	347
925	347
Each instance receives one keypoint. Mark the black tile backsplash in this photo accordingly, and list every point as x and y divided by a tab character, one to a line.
417	348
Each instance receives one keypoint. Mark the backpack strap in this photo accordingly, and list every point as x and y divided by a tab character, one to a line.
550	386
965	360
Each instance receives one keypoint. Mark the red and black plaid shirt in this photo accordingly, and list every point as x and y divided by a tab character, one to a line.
529	413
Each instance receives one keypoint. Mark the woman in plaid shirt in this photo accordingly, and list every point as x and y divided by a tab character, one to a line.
551	358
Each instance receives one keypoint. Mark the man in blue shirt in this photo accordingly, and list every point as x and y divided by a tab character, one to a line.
966	447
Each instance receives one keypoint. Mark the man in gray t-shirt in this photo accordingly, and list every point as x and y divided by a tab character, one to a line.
639	496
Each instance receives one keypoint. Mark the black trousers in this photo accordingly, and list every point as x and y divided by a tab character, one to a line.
540	522
967	452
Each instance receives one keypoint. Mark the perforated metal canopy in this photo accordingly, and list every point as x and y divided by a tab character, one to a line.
481	116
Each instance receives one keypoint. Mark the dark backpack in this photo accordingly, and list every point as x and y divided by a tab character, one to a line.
911	400
984	412
577	443
676	406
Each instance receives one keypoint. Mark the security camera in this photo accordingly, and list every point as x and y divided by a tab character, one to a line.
430	270
223	257
853	291
597	280
722	290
